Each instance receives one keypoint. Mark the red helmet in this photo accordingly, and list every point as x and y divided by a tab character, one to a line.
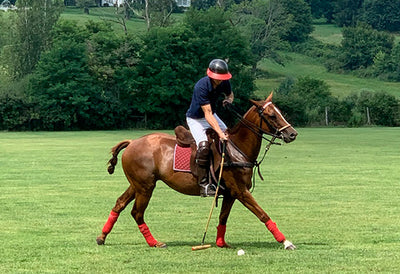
218	70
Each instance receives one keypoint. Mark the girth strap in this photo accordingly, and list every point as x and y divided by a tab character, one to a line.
239	164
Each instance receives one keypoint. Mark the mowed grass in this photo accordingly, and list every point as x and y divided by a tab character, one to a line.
334	192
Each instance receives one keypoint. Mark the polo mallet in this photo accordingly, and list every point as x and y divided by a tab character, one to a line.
203	246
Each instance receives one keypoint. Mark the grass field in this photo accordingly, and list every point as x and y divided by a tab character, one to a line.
333	192
327	33
133	25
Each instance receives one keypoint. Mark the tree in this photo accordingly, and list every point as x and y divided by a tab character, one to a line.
300	23
31	35
382	15
62	87
15	111
85	4
155	12
263	23
383	108
322	8
304	100
361	44
82	81
346	12
387	66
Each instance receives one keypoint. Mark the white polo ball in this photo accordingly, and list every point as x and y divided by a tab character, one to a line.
240	252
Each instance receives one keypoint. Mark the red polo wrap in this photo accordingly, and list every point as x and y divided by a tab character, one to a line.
221	229
147	235
112	218
275	231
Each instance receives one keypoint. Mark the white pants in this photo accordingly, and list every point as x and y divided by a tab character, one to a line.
198	127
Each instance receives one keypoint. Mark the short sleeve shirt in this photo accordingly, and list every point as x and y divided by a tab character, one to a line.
203	94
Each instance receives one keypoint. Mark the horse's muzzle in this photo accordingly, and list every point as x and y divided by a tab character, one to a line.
289	135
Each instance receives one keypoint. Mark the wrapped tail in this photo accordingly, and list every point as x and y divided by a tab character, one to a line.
114	151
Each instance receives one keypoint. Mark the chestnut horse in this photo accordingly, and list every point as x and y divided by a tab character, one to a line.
150	158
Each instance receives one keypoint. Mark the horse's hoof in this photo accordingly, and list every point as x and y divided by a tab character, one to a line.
288	245
225	245
100	241
161	245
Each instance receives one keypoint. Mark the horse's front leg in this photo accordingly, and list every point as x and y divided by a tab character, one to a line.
227	204
248	201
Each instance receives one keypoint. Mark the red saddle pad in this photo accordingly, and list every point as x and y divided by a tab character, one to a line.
182	158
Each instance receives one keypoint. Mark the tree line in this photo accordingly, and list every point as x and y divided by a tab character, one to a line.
58	75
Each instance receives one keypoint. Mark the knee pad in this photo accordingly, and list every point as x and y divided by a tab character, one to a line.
202	155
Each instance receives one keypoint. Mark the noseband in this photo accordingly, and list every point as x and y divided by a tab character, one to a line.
278	131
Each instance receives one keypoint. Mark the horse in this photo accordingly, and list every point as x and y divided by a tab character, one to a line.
150	158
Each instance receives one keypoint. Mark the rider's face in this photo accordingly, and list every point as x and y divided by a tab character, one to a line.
216	82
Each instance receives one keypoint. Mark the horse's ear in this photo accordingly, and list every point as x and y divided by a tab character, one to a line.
269	98
257	104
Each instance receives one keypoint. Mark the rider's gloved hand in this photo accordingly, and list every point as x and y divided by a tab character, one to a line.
226	103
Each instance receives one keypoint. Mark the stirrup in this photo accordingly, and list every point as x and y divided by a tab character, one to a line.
207	190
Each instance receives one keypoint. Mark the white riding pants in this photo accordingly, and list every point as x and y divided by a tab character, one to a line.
199	126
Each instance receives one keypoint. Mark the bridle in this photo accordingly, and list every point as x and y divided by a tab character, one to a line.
278	131
259	131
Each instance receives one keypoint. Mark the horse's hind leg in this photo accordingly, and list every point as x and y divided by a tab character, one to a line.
120	205
227	204
139	207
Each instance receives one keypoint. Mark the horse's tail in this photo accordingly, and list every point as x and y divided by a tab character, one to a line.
115	150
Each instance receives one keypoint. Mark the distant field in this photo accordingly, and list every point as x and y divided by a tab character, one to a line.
100	14
301	66
329	34
334	192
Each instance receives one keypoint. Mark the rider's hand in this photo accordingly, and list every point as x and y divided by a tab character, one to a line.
226	102
223	136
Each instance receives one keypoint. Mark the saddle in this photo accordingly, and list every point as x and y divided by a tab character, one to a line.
185	139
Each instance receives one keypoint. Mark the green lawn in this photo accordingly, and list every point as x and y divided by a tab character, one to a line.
333	192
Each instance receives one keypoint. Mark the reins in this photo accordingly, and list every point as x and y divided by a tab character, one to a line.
260	133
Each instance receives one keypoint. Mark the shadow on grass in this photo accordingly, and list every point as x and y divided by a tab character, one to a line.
233	245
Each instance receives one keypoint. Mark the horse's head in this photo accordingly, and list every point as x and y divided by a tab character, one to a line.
272	121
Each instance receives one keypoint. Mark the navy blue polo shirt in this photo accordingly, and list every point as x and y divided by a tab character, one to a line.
204	94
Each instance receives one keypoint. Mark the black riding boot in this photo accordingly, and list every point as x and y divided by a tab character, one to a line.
203	162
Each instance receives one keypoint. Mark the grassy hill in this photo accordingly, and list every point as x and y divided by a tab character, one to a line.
297	66
340	84
300	66
103	14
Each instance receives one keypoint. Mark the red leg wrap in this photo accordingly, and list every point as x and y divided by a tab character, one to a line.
221	229
112	218
147	235
275	231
